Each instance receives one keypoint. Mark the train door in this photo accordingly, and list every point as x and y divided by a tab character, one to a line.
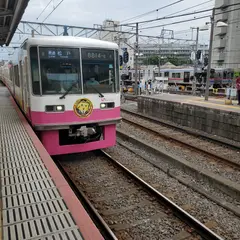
21	83
186	76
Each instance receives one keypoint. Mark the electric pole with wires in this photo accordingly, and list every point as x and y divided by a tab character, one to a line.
136	53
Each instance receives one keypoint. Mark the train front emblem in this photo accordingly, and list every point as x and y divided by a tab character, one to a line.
83	107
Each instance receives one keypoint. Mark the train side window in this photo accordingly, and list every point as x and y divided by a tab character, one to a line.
35	71
177	75
11	74
16	76
21	73
166	74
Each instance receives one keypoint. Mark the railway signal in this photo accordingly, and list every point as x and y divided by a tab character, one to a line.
125	57
198	55
121	60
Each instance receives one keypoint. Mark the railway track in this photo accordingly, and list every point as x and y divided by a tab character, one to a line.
212	175
184	130
182	140
126	205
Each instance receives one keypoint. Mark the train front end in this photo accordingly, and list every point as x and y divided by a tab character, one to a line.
75	104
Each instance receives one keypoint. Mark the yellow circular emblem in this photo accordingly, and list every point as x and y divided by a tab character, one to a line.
83	107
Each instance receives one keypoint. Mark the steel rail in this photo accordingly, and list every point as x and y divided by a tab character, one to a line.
200	228
183	129
186	144
95	216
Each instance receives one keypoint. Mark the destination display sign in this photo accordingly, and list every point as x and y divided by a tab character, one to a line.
97	54
59	53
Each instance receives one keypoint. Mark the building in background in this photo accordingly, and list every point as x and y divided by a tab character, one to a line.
176	53
122	39
179	54
226	44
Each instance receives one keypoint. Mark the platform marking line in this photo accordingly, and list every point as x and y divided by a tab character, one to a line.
215	104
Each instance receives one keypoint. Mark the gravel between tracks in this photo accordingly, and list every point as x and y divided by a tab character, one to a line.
199	159
133	207
223	222
176	172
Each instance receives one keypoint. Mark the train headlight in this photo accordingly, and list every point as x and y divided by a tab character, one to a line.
103	105
59	108
107	105
54	108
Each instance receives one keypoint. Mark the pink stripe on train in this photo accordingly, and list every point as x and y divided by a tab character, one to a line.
69	116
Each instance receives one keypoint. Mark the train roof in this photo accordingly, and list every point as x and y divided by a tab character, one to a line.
69	41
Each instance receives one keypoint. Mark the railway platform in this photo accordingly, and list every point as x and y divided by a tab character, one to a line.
213	102
36	200
212	117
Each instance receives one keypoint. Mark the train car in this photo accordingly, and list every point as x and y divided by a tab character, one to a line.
177	76
218	76
69	90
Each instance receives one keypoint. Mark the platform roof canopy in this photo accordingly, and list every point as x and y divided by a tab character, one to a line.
11	12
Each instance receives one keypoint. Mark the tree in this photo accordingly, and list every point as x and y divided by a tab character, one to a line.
154	60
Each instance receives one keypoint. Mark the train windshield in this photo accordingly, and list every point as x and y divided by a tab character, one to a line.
98	68
59	68
56	69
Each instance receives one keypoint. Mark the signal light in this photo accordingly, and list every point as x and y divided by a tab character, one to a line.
125	57
198	55
121	60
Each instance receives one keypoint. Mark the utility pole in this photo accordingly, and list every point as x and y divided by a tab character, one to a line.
210	55
195	62
159	60
136	61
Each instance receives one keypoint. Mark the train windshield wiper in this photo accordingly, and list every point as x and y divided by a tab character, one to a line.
100	94
68	90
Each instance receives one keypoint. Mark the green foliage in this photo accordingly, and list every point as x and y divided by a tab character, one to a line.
154	60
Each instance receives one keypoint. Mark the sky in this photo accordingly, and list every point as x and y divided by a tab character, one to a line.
85	13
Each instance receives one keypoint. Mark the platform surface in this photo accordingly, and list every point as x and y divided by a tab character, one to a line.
33	203
215	103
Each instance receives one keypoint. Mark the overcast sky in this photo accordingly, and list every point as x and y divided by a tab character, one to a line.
85	13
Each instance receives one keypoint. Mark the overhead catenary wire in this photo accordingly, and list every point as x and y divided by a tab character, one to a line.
153	11
180	15
183	10
52	11
189	8
188	20
194	6
147	13
44	9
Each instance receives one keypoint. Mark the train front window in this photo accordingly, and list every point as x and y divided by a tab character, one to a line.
60	69
98	71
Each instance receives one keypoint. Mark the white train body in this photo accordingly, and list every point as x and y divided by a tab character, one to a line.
68	88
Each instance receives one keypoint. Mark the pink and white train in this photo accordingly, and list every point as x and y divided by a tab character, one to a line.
68	88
